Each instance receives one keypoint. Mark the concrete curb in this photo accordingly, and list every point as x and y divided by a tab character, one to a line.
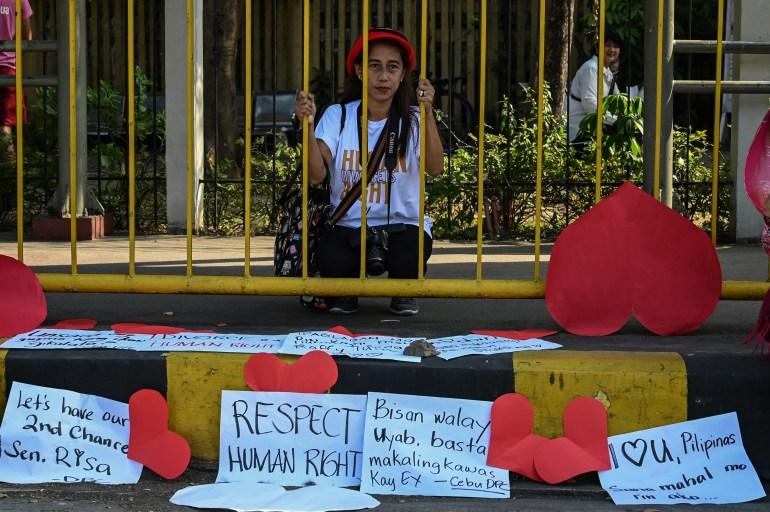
639	389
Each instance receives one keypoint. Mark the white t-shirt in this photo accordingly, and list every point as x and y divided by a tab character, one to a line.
345	171
584	88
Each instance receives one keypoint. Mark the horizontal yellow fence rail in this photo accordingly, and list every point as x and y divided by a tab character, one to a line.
232	285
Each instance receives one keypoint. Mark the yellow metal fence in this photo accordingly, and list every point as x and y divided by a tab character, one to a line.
247	284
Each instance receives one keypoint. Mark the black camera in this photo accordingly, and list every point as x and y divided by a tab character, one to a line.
376	251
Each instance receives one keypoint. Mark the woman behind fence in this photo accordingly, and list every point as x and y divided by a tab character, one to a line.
393	195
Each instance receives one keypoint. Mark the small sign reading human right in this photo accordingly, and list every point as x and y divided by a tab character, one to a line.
698	462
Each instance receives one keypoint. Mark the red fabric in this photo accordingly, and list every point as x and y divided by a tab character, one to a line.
22	302
630	254
378	34
150	442
8	102
760	334
756	175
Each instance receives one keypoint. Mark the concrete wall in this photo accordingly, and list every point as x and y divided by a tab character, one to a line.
752	23
177	57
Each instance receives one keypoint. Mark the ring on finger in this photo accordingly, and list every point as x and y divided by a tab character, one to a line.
422	92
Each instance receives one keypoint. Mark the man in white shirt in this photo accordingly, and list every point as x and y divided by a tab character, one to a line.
583	91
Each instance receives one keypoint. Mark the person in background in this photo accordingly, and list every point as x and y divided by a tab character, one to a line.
393	194
583	90
8	68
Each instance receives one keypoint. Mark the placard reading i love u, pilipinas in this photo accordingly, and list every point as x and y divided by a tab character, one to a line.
696	462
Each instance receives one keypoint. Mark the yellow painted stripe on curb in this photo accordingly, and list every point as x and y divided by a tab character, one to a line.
639	389
195	384
3	387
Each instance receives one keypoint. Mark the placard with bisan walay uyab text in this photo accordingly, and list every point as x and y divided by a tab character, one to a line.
428	446
54	435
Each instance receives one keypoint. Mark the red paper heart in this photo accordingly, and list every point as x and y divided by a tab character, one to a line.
630	254
526	334
583	447
130	328
78	324
512	444
677	276
151	442
314	372
338	329
22	302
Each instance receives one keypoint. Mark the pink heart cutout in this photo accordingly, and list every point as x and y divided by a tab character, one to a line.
583	447
150	441
314	372
512	445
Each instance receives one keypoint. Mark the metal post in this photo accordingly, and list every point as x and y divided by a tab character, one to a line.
59	204
650	101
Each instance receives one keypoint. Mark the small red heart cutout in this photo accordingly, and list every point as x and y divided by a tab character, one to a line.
526	334
78	324
512	444
583	447
150	441
314	372
630	254
132	328
22	302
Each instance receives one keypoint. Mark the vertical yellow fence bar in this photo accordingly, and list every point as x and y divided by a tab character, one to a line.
247	142
305	128
190	105
482	107
364	133
19	140
73	139
600	105
659	100
131	144
423	75
717	112
539	176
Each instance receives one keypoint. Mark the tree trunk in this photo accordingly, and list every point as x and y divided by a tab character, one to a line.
221	32
560	25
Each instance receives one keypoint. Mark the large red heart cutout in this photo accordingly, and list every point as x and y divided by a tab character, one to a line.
314	372
22	302
512	444
151	442
583	447
632	255
78	324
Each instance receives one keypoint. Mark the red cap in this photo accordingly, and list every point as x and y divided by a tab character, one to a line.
382	34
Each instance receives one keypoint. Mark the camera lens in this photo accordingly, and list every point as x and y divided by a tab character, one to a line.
376	251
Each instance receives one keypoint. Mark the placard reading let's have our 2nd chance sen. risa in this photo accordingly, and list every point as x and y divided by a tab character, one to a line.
54	435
